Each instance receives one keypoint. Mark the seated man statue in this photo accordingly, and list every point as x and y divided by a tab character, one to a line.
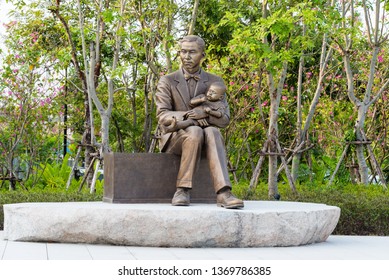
173	98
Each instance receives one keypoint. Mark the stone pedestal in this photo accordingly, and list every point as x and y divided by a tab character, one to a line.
260	223
151	178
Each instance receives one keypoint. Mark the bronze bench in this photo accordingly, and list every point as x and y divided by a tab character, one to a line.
150	178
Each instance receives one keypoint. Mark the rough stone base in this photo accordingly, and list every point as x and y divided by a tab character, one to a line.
260	223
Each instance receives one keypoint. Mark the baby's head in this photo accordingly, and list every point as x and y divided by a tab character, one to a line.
216	91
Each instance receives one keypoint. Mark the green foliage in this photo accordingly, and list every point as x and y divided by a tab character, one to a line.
56	174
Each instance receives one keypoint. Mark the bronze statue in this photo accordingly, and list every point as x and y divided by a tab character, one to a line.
201	130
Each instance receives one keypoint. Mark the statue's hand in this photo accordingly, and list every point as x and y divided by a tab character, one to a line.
170	128
203	122
196	114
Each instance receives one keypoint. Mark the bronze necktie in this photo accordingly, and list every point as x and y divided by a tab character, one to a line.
192	76
192	82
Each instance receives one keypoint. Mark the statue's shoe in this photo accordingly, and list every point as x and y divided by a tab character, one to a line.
181	197
227	200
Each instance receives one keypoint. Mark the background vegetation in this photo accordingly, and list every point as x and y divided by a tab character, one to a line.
307	84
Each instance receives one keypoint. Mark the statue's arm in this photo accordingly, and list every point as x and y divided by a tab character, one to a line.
198	100
221	121
218	113
164	102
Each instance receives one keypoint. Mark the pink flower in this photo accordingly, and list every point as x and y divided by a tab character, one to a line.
284	98
264	104
232	83
309	74
380	59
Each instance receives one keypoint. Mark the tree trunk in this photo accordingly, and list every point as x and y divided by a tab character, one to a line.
105	117
194	17
119	135
297	156
302	133
12	182
360	148
275	97
273	136
273	164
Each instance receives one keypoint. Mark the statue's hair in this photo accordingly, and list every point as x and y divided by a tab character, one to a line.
219	85
193	38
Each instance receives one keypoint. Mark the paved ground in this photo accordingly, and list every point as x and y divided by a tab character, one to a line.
335	248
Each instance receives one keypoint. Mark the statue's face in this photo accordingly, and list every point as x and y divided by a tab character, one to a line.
214	93
191	55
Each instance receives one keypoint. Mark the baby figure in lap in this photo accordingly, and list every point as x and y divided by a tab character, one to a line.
211	102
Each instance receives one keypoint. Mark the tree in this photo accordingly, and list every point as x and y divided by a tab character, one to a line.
363	91
315	17
269	45
29	111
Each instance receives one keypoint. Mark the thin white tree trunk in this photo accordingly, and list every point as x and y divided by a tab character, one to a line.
105	114
360	148
275	97
194	17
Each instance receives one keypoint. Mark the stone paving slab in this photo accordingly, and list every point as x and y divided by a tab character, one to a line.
335	248
108	252
260	223
62	251
25	251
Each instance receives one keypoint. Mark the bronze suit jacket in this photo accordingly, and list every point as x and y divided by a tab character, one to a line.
173	99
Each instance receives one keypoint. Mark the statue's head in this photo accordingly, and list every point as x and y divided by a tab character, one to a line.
191	52
193	38
216	91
